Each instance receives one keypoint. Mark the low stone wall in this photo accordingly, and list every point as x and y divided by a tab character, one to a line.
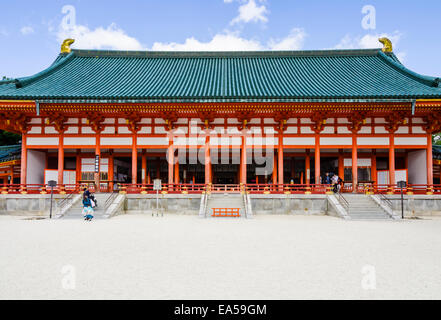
170	203
314	204
298	204
28	204
416	205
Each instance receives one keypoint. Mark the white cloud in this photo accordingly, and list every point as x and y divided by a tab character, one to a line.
250	12
111	37
220	42
370	41
26	30
234	42
294	41
367	41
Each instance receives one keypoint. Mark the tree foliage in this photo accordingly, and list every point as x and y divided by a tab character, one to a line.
9	138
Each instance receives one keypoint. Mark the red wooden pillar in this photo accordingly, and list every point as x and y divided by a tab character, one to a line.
170	159
392	160
354	163
243	161
24	161
176	173
111	170
11	174
317	159
134	162
97	175
307	167
78	166
341	165
60	159
280	160
429	158
207	161
374	166
144	167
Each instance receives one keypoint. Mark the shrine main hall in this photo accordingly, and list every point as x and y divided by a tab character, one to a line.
256	119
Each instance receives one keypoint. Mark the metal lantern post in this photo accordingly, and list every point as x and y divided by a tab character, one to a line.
401	185
52	184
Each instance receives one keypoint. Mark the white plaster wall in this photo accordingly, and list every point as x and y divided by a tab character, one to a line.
379	141
306	130
124	130
152	141
417	167
87	130
108	130
71	130
401	130
417	129
35	121
36	163
346	141
145	130
50	130
41	141
291	130
343	130
420	141
109	141
380	130
327	130
35	130
365	130
262	141
79	141
299	141
225	141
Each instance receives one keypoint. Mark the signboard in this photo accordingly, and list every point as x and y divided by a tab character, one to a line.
157	185
401	184
97	163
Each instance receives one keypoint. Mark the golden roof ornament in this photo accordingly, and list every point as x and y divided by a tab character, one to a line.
65	46
387	44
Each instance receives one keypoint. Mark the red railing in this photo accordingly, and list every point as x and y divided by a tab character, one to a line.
223	188
38	189
166	188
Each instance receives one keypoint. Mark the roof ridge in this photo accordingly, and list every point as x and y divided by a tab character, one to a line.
427	80
21	82
215	54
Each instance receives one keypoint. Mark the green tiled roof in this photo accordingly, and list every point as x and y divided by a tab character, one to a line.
86	75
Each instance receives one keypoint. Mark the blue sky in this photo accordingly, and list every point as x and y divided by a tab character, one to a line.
31	31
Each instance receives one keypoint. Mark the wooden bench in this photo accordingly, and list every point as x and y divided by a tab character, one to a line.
226	212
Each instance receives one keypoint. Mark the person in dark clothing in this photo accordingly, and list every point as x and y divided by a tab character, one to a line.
87	208
327	178
90	196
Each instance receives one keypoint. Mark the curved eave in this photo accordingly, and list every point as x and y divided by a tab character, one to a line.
427	80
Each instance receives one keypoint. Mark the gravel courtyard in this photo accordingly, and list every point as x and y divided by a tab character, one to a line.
184	257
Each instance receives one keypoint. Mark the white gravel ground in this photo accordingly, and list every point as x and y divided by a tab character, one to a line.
184	257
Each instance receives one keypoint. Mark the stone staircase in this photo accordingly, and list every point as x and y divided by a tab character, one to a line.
76	211
363	207
225	200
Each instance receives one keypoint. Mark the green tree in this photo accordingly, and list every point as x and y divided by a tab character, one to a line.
9	138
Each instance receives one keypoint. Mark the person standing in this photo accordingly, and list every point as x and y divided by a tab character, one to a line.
327	178
87	208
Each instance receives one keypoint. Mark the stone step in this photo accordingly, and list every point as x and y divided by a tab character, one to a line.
362	207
